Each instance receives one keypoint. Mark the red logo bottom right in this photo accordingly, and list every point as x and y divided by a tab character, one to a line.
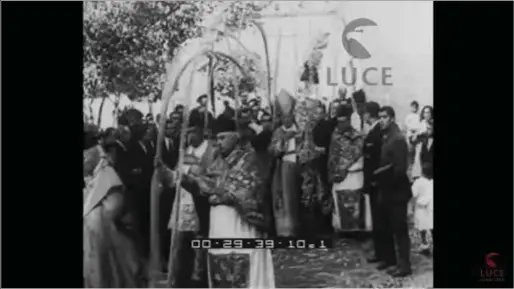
491	273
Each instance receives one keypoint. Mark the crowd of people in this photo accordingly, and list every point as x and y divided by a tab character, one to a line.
307	169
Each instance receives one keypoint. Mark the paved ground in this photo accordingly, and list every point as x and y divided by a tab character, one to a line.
344	266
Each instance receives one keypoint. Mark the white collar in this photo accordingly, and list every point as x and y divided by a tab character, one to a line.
121	145
374	124
198	150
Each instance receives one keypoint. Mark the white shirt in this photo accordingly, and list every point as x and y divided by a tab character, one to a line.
423	192
412	122
356	121
186	199
121	145
167	142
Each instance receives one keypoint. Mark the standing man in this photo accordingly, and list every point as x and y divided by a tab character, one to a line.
394	194
371	151
135	163
202	111
170	155
285	186
193	217
229	111
235	189
345	173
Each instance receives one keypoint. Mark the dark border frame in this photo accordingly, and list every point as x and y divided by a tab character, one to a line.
473	177
42	65
42	147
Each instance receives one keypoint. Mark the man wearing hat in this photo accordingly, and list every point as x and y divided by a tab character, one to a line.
235	190
202	112
187	266
345	173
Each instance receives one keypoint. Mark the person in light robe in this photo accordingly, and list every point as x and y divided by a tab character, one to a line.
235	188
110	258
345	173
285	187
193	218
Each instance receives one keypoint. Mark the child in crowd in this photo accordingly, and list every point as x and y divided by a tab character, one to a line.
423	197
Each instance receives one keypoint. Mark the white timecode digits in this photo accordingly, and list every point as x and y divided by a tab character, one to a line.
206	244
195	244
227	244
259	244
270	244
238	244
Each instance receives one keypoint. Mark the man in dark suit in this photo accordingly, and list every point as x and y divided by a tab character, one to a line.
371	152
229	111
170	155
202	111
394	195
322	135
132	165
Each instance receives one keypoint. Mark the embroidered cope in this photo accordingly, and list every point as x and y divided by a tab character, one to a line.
243	186
345	150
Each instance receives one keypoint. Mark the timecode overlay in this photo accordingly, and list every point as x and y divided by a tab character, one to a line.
279	243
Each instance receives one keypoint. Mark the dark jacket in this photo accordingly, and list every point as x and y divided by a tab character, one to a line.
372	150
197	115
394	181
426	155
322	135
170	154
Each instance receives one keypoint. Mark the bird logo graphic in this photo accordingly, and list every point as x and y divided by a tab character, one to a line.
352	46
490	262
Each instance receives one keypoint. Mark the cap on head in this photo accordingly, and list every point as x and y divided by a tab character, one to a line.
224	124
359	96
372	108
201	98
344	112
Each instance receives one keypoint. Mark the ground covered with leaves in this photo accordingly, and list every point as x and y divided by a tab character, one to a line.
344	266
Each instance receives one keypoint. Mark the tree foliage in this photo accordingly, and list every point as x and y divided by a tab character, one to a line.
127	43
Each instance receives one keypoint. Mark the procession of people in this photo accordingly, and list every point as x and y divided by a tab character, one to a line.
307	169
